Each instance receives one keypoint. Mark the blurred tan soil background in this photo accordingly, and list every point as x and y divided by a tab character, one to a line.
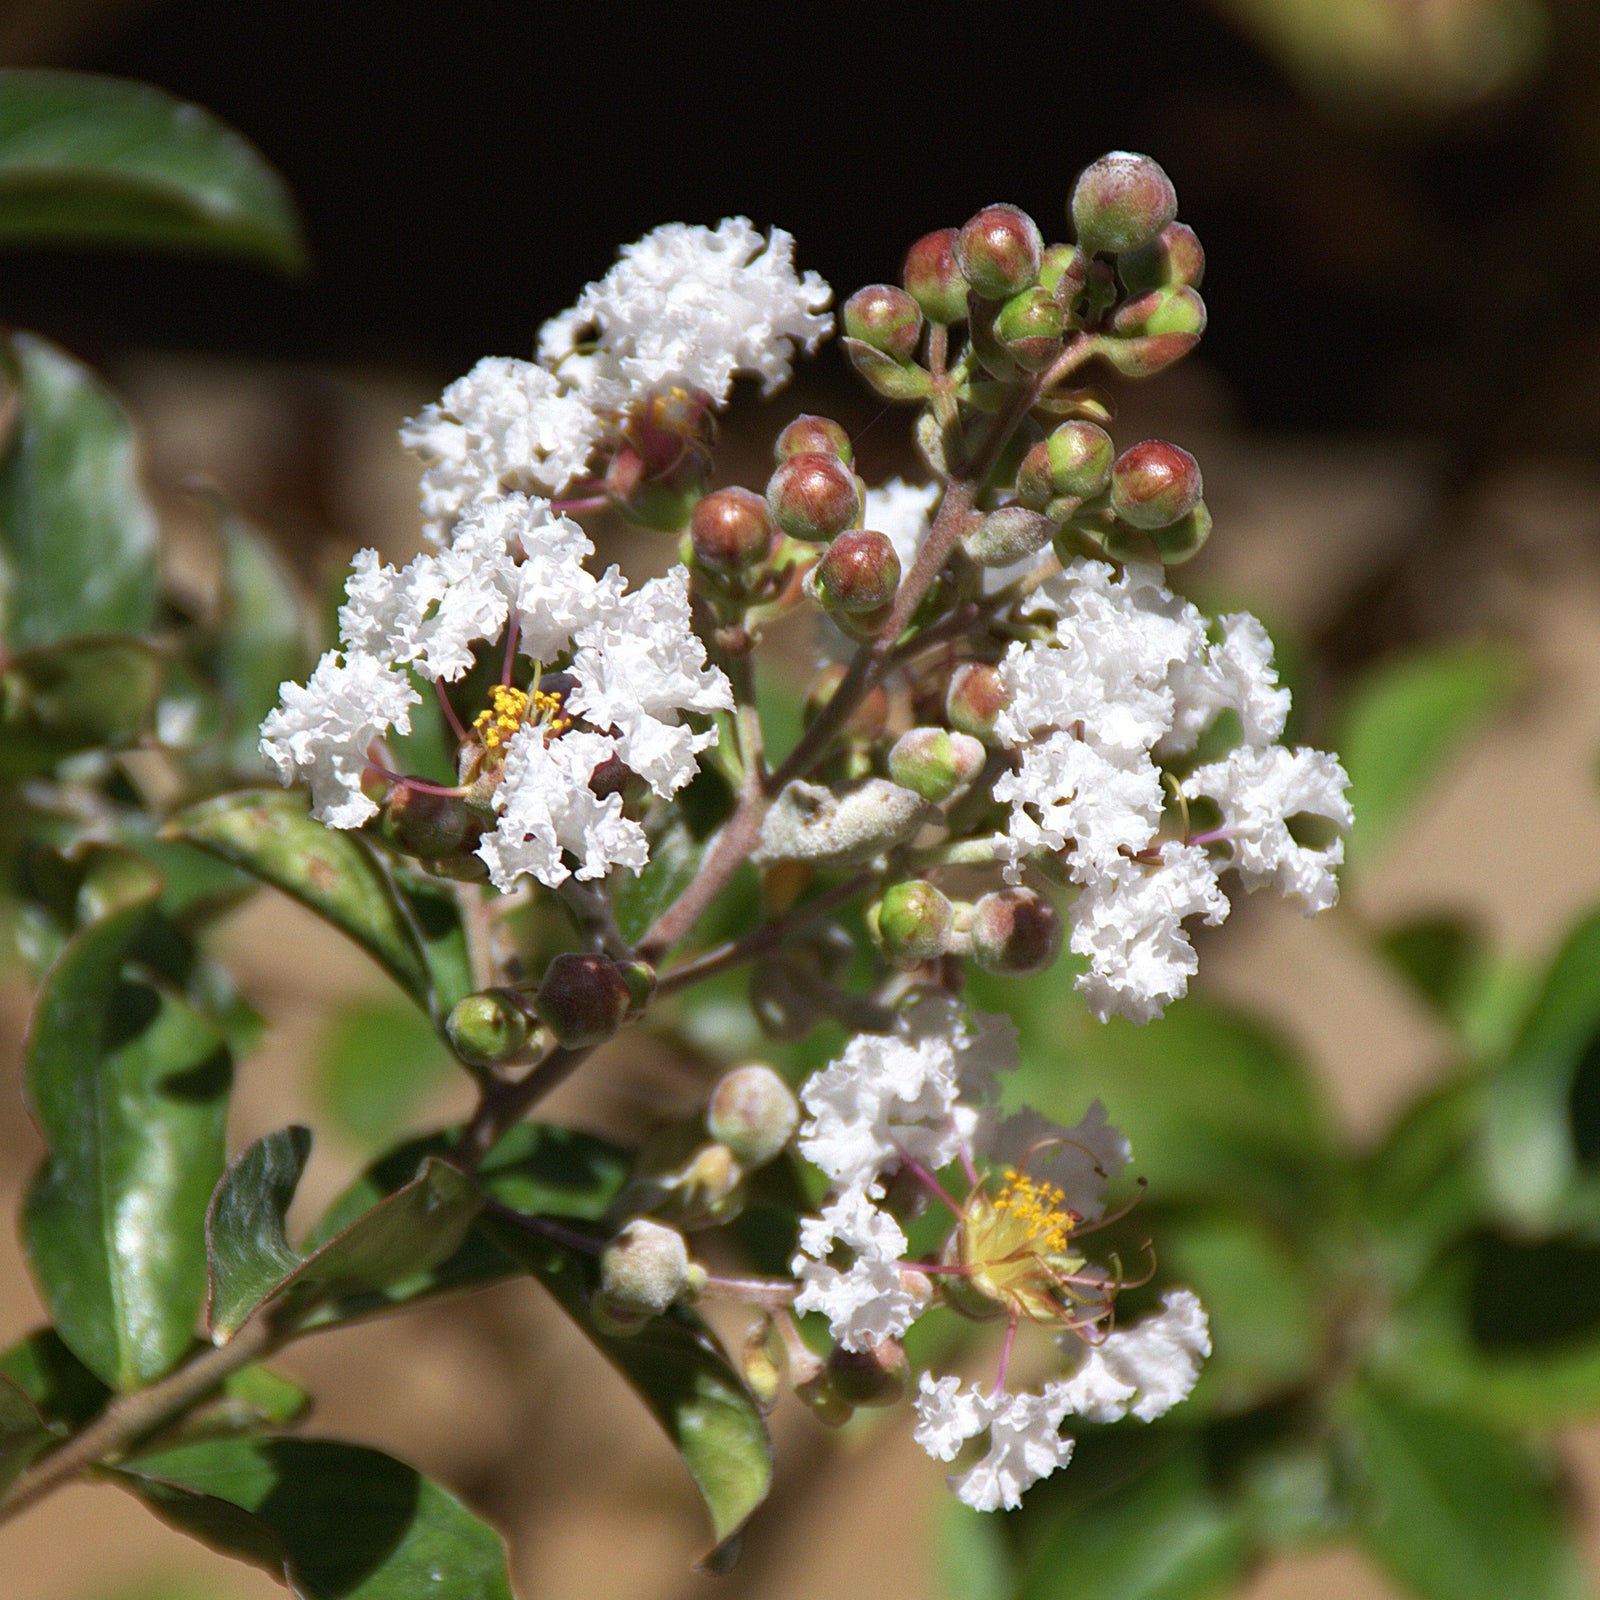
1397	410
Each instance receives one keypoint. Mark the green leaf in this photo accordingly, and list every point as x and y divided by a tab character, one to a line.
253	1265
129	1087
972	1560
1406	721
1457	1511
332	1521
675	854
23	1433
677	1369
77	535
376	1064
269	833
87	694
94	160
63	1391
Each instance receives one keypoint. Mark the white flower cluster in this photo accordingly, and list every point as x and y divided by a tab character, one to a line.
923	1098
685	306
1129	679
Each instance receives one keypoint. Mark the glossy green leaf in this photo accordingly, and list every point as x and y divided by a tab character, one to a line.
1457	1511
376	1064
63	1391
129	1087
77	535
971	1561
332	1521
1406	721
419	1225
23	1434
270	834
86	694
93	160
677	1369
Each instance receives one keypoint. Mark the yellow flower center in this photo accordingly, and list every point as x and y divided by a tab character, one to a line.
1018	1247
509	709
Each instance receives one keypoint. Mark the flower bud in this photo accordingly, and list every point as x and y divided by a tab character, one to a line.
873	1377
1121	201
886	318
1014	933
865	723
731	531
813	496
418	823
842	826
1029	328
754	1113
933	279
1073	463
914	922
1173	258
488	1028
976	697
583	999
817	1394
1008	535
859	573
761	1363
645	1269
665	502
1184	538
938	765
999	252
709	1190
667	424
1155	483
1154	331
1062	270
808	435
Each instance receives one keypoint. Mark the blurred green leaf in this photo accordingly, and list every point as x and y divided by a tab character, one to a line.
22	1431
129	1087
376	1064
77	535
676	1367
333	1521
63	1391
675	853
87	694
970	1557
270	834
1406	721
1457	1511
93	160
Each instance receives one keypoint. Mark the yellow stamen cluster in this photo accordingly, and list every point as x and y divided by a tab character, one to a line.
506	712
1040	1209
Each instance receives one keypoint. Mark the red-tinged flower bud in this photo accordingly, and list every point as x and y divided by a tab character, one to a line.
1015	933
418	823
1155	483
1029	328
1007	535
754	1113
874	1377
914	923
1074	462
731	531
808	435
999	252
1172	259
1184	538
488	1028
976	697
1121	201
645	1269
886	318
860	573
582	999
865	722
813	497
1154	331
936	764
933	279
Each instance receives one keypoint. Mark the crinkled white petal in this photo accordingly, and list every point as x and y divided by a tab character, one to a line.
546	807
321	730
1025	1442
1078	1160
1144	1370
869	1300
902	512
948	1414
1258	792
1237	674
690	306
1129	923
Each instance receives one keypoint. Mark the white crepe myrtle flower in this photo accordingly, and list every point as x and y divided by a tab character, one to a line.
689	307
870	1299
1143	1370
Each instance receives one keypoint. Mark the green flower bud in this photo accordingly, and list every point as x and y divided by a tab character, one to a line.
754	1113
1184	538
809	435
894	380
842	826
583	999
860	573
1073	463
432	826
1173	258
886	318
813	497
1154	331
938	765
999	252
487	1028
829	1408
1155	483
1121	201
976	697
731	531
933	279
914	923
1008	535
1015	933
874	1377
644	1270
1029	328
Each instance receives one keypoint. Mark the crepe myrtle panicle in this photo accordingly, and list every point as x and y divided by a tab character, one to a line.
1020	740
